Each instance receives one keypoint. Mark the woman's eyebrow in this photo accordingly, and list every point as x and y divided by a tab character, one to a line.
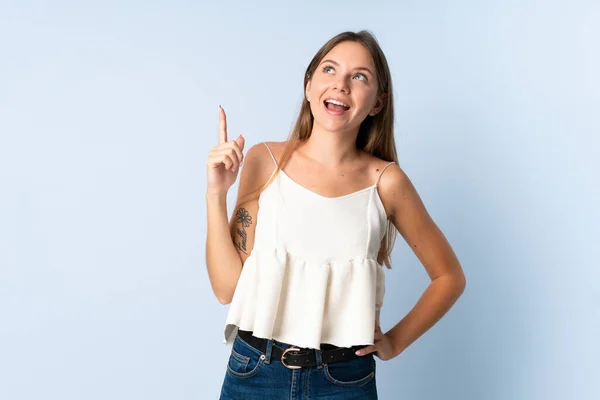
358	68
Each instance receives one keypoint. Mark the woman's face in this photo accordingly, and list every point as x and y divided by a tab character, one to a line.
346	74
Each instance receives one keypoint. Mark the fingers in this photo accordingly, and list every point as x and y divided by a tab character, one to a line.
241	141
229	153
370	349
232	150
215	160
222	126
238	149
365	350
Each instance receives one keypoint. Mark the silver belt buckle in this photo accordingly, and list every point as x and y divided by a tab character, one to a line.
283	356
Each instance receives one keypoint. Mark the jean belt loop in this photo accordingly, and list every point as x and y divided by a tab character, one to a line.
319	358
269	351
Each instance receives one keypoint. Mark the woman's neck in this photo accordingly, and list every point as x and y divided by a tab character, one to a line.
331	149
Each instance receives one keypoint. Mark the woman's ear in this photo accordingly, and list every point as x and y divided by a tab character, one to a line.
307	91
379	104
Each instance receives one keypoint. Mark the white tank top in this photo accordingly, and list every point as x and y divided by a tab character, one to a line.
312	276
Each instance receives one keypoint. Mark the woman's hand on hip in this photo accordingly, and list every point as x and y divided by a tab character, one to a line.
383	346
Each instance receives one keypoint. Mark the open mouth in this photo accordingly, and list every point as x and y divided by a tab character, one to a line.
336	106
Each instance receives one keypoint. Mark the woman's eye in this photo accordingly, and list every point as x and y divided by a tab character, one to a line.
328	69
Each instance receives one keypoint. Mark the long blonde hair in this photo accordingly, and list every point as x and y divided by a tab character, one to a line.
376	133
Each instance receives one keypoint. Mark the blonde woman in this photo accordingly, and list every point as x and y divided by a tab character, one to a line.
301	262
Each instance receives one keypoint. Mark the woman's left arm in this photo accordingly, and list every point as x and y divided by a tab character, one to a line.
408	214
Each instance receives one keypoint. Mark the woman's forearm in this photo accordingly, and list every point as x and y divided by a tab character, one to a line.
222	258
436	300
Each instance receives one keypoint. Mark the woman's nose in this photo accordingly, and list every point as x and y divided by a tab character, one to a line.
342	85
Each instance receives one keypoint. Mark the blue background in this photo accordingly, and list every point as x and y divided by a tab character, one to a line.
108	111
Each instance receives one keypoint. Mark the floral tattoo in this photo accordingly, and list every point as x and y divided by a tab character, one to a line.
243	218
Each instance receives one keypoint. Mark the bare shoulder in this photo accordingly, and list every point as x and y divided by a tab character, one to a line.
394	186
412	220
276	148
257	168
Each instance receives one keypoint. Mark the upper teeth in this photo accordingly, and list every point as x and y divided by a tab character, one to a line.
339	103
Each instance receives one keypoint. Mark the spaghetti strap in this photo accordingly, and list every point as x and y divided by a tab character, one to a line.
381	173
271	153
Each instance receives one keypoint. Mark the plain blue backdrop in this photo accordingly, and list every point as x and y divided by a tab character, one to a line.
109	109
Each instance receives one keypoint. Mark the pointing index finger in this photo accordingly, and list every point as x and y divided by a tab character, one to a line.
222	126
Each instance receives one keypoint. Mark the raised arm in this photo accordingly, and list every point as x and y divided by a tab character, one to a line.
228	244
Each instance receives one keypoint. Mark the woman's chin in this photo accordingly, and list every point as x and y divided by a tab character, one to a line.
334	126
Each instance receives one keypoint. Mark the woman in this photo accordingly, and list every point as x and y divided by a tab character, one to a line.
315	220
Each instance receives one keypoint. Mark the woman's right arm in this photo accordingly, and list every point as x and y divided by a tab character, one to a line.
228	244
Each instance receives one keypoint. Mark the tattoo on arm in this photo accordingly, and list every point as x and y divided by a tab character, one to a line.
244	219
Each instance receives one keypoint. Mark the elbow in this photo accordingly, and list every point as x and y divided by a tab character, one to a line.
456	283
224	299
462	285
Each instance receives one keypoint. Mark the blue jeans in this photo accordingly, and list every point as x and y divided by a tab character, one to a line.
253	375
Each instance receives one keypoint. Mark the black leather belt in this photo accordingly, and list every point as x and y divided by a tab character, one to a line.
295	357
